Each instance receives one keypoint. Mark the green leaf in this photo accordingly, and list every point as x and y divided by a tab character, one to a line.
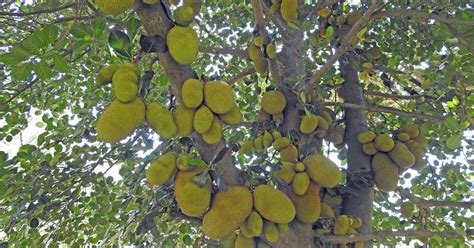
60	63
43	71
454	141
120	42
22	72
196	162
451	124
133	26
393	62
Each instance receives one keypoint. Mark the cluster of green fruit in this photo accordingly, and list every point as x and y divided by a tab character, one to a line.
272	105
317	124
288	9
392	156
342	23
259	50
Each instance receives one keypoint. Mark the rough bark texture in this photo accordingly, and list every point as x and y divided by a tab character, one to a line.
359	202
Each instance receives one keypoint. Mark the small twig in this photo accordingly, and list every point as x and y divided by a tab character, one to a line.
43	11
242	74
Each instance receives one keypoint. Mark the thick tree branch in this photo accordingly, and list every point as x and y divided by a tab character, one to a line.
346	41
344	239
224	51
393	96
377	108
423	15
42	11
242	74
422	203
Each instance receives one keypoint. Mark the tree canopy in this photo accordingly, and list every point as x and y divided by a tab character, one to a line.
290	87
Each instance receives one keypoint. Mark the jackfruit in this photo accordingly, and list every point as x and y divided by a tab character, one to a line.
273	102
419	164
162	169
243	242
415	148
281	143
287	172
299	167
308	206
182	162
326	211
263	116
384	143
246	147
203	119
403	136
401	156
289	154
322	123
407	210
258	41
420	139
273	204
324	12
336	136
359	244
253	225
353	17
114	7
282	228
183	44
356	222
219	97
351	231
289	10
322	170
229	210
369	148
274	8
276	134
308	124
267	140
192	199
233	117
254	52
184	120
271	51
278	117
261	66
326	116
386	172
320	133
271	232
192	93
341	225
334	201
374	53
124	84
411	129
120	120
195	4
131	67
300	183
161	120
104	76
214	134
183	15
258	144
366	137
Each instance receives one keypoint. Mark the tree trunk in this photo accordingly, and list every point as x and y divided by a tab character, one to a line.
359	201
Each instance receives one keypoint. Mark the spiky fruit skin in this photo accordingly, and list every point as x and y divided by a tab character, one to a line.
161	120
369	148
308	206
192	199
421	140
271	232
276	134
254	52
246	147
326	211
114	7
322	123
131	67
273	102
184	120
324	13
267	139
386	172
203	119
286	172
183	15
342	225
229	210
289	154
273	204
322	170
353	17
104	76
243	242
415	148
300	167
162	169
253	226
366	137
289	10
119	120
300	183
407	210
192	93
182	162
214	134
271	51
384	143
356	222
258	144
403	136
219	97
419	164
183	44
308	124
233	117
411	129
124	84
195	4
325	114
261	66
263	116
281	143
402	156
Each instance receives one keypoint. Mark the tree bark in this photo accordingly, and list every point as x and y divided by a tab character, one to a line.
359	202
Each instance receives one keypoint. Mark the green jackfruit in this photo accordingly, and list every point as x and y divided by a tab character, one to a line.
282	228
105	74
120	120
369	148
246	147
192	93
229	210
353	17
326	211
342	225
308	206
289	154
403	136
233	117
415	148
261	66
287	172
254	52
276	134
322	170
324	12
271	51
271	232
273	204
184	120
300	167
386	172
419	164
161	120
253	225
420	139
263	116
407	210
402	156
273	102
162	169
114	7
325	114
300	183
281	143
182	162
289	10
258	144
183	44
214	134
195	4
243	242
309	123
267	139
203	119
124	84
366	137
219	97
322	123
131	67
384	143
192	199
356	222
183	15
411	129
